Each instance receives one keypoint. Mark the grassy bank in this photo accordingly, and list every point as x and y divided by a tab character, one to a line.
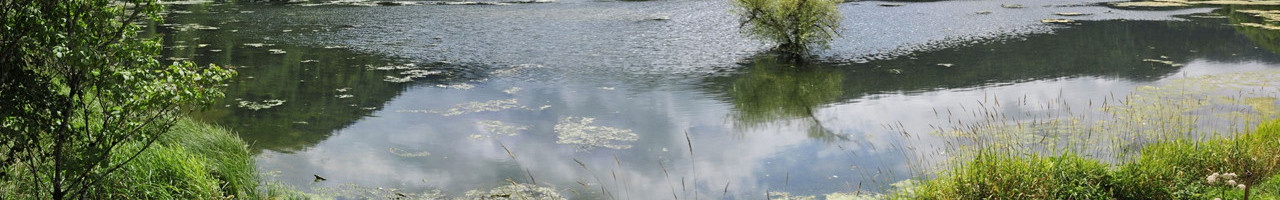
1176	169
192	161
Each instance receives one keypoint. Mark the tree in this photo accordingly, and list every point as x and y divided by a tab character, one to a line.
76	83
795	25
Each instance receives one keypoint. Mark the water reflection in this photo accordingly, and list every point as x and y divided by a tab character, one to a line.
765	125
318	89
778	89
1269	39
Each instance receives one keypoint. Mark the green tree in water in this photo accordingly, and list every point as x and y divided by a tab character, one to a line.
795	25
76	84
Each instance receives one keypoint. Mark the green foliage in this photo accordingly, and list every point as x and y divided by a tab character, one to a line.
84	86
795	25
1175	169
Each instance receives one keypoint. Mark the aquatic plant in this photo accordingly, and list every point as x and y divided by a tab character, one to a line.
795	25
493	128
579	132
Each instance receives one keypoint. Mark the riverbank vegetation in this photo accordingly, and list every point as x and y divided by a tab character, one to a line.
87	100
1227	168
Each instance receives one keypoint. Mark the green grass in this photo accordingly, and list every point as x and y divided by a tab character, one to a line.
1175	169
191	161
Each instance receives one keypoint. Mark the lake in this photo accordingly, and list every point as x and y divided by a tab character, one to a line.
667	99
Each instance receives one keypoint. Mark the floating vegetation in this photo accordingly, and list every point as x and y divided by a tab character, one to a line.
983	12
1166	62
512	90
494	128
261	105
256	45
788	196
410	75
353	191
404	153
579	132
276	51
460	86
390	67
1147	4
516	191
1261	26
1071	14
189	27
1188	108
516	70
1057	21
397	79
476	107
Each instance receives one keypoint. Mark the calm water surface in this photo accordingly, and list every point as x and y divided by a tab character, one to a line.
599	101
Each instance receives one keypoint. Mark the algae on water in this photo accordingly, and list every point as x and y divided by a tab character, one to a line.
494	129
405	153
516	191
260	105
476	107
579	132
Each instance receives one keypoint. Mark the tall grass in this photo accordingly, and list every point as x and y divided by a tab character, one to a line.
1173	169
191	161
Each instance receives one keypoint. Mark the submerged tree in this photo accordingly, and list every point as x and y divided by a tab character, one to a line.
76	85
795	25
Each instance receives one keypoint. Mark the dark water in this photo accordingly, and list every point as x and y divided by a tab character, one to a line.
503	91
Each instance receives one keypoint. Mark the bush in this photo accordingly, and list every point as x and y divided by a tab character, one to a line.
795	25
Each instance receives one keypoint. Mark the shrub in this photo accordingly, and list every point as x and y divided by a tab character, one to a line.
795	25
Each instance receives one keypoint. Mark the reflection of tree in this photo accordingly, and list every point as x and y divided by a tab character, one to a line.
773	91
323	89
1269	39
